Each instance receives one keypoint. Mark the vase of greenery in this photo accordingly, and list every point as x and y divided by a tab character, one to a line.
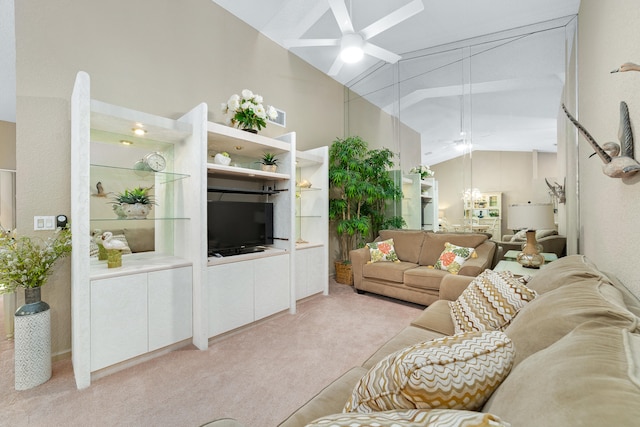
269	162
360	185
27	262
133	203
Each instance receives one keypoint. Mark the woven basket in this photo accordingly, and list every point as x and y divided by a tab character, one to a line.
343	273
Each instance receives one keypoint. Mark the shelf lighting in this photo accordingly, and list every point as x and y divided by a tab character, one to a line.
125	142
139	131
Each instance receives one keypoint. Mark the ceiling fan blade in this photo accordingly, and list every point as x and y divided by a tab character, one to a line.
342	16
336	67
392	19
381	53
310	42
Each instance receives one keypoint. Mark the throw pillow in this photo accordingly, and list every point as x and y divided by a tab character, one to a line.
411	418
453	372
490	301
452	258
382	251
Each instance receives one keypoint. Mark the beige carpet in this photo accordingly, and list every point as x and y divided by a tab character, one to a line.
258	375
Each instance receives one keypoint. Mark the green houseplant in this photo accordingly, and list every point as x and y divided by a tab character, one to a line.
359	185
269	162
133	203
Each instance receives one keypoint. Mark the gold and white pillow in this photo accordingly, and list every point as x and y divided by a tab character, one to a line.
452	372
452	258
411	418
490	302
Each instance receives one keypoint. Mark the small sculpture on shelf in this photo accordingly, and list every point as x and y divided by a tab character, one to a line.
222	158
114	249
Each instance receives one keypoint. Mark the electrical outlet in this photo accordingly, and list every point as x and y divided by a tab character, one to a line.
44	223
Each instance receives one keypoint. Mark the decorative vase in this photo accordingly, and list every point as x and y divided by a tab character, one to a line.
136	210
219	159
32	341
114	258
250	130
117	209
269	168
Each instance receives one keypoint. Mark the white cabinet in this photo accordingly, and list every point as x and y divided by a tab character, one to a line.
242	292
118	319
138	313
230	297
170	306
311	276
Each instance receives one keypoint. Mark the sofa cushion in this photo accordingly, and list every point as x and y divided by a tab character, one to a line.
411	418
453	372
424	278
590	377
387	271
436	317
554	314
382	250
407	243
433	244
453	256
141	239
490	302
565	271
330	400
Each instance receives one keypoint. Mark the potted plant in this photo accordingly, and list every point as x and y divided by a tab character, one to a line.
133	203
246	111
359	187
26	262
269	162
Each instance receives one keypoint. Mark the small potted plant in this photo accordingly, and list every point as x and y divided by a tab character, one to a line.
269	162
133	203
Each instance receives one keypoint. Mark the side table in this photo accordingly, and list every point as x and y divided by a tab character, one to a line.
516	268
512	255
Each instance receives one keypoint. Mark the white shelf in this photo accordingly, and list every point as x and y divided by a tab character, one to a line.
236	171
136	263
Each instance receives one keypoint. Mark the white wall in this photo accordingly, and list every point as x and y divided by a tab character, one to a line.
610	231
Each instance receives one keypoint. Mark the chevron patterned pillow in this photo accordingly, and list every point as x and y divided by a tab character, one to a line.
411	418
453	372
490	302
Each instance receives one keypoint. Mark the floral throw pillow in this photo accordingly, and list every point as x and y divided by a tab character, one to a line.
382	251
452	258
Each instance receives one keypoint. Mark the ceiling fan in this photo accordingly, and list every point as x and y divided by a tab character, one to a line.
353	45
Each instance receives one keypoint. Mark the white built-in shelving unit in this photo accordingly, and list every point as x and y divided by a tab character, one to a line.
175	294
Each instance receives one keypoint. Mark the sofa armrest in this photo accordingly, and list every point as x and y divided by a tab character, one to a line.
452	286
475	266
358	257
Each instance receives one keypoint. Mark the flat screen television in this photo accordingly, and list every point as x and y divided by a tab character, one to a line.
238	227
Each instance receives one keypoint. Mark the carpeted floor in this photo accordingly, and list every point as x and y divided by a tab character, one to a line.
258	375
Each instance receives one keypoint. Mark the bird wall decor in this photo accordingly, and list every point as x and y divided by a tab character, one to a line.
627	66
558	190
617	164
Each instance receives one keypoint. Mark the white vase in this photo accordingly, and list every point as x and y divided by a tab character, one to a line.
32	355
136	210
219	159
269	168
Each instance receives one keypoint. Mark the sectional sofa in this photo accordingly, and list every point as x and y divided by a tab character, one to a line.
574	348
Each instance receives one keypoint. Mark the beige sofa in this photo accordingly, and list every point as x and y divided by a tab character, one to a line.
412	279
577	352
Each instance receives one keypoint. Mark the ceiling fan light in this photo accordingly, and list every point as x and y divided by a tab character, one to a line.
351	48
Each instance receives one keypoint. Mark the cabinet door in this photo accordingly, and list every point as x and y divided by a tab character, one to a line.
271	285
230	295
170	304
118	319
317	276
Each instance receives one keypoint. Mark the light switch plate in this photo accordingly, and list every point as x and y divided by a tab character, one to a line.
44	223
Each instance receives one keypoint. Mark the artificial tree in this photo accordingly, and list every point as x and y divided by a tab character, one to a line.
360	186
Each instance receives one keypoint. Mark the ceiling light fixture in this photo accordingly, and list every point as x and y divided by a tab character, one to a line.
351	48
139	132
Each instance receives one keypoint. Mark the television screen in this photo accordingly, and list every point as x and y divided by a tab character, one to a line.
238	227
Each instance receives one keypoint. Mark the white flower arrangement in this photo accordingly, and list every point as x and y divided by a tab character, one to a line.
246	111
423	170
